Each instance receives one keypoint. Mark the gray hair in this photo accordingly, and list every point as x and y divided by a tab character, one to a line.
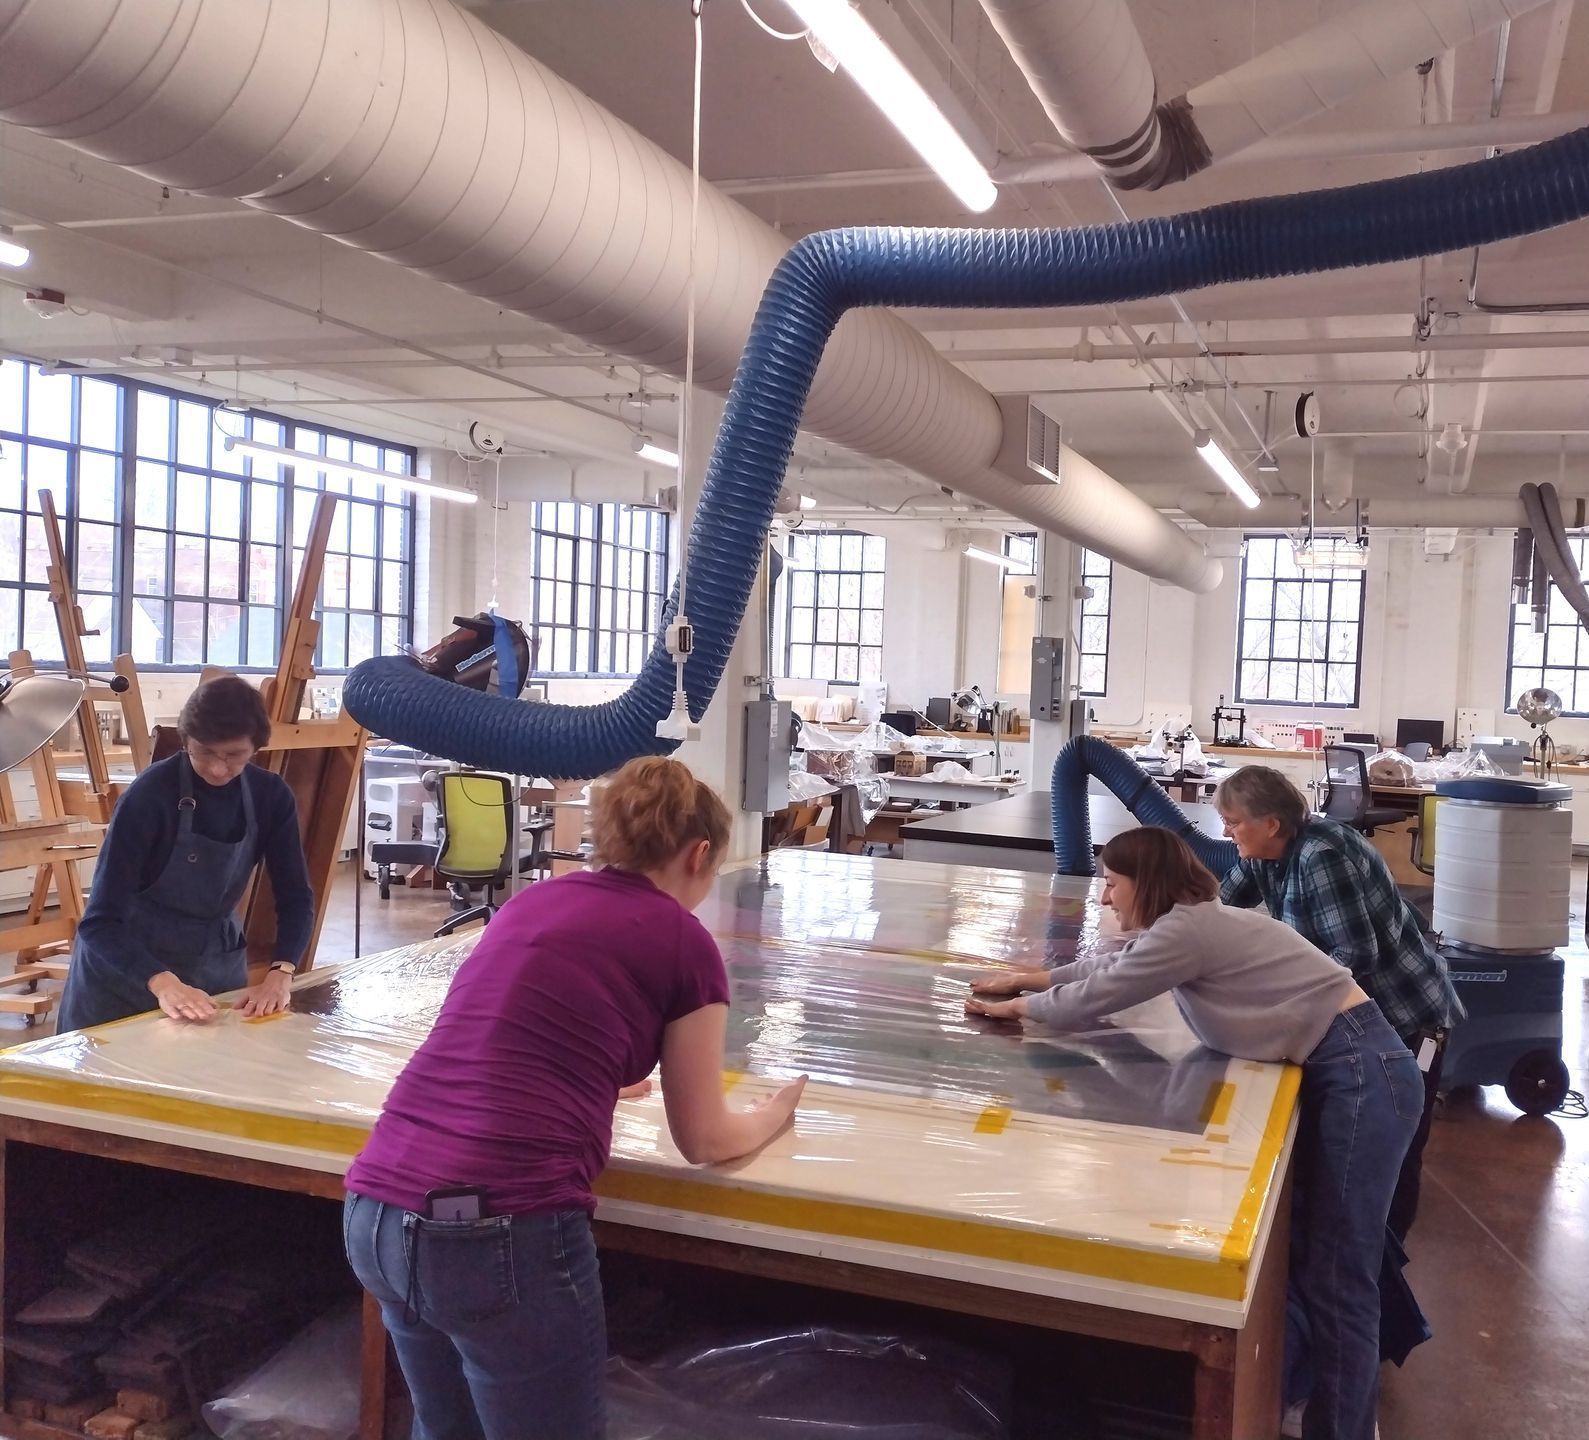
1259	792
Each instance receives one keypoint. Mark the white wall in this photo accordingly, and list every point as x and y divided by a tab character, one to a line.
922	592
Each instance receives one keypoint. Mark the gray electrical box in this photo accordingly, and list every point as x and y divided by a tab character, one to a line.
1049	699
767	736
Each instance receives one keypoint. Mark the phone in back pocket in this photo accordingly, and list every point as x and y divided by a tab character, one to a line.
461	1202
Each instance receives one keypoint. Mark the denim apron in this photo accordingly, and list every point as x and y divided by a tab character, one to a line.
187	920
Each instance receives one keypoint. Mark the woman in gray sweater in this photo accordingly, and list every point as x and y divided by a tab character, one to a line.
1251	987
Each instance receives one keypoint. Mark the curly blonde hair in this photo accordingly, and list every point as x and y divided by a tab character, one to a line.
645	813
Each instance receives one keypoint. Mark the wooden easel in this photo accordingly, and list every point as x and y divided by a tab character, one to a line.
95	798
319	759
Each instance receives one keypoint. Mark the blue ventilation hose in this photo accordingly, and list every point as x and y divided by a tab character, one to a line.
826	274
1085	755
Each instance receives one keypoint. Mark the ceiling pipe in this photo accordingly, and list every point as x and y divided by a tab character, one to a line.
1087	351
408	129
1464	512
1287	149
1509	132
1085	62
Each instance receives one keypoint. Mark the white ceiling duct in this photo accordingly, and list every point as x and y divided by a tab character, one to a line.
1463	512
1085	62
408	129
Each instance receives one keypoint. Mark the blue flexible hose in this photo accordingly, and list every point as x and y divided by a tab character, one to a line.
827	273
1085	755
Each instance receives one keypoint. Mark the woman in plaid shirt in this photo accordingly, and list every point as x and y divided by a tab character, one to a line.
1329	884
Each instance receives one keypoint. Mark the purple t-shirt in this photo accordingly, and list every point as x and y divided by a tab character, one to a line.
562	1002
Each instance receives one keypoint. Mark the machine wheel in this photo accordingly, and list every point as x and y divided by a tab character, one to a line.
1538	1083
383	875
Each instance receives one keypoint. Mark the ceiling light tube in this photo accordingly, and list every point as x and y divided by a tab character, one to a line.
1220	463
348	469
11	253
650	450
976	552
899	95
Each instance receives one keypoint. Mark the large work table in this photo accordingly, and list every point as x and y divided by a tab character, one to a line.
1124	1184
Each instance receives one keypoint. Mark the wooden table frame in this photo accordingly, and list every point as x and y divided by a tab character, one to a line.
1236	1394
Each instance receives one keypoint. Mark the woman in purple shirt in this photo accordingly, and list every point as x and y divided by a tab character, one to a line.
468	1213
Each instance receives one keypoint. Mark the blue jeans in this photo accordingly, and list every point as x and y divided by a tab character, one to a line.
498	1324
1362	1096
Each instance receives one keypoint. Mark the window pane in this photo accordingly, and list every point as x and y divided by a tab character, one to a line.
225	635
188	569
152	490
11	385
193	434
40	634
148	563
99	414
49	406
361	638
264	507
96	557
46	471
226	508
154	425
361	584
192	492
96	486
11	476
334	641
149	631
261	637
10	554
187	633
225	570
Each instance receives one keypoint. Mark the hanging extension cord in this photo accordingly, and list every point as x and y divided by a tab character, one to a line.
679	638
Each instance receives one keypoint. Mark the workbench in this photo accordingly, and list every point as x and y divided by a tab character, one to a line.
1018	833
1124	1184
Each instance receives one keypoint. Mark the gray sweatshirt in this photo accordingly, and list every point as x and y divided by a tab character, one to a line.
1246	984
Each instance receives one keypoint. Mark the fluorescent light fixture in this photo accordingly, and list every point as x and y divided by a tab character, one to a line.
347	468
898	94
1331	552
1220	463
808	502
975	552
1267	464
648	449
11	253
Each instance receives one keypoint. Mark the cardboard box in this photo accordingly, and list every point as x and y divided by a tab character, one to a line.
910	764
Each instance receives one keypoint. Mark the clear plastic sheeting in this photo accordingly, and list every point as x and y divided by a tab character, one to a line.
1128	1158
309	1390
814	1384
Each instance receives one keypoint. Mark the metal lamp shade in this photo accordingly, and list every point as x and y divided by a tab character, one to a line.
1538	706
32	711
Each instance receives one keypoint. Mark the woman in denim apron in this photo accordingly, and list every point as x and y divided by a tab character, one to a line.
162	924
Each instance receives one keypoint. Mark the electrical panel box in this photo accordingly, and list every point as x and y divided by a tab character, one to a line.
1049	697
768	726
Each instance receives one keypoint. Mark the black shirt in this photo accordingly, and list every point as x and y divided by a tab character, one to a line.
143	830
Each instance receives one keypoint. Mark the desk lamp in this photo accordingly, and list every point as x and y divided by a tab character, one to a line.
35	708
1539	707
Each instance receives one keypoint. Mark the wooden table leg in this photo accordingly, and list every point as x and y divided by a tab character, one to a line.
372	1372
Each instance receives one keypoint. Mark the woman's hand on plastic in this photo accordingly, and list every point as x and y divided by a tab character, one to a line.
996	1009
271	995
782	1102
179	1001
1007	982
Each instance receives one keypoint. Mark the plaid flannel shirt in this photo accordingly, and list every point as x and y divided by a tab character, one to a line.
1333	887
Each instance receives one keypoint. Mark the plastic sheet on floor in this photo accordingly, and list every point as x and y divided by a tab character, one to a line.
812	1384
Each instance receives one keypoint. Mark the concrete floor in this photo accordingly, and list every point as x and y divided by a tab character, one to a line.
1500	1253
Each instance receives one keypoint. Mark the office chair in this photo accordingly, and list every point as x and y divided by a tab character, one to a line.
1423	840
1417	750
1348	797
478	813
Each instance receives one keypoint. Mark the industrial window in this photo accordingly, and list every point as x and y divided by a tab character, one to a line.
1554	658
599	582
175	544
1092	652
1301	633
366	592
1019	618
833	622
60	433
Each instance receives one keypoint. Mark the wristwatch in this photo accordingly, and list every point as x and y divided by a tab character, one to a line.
286	967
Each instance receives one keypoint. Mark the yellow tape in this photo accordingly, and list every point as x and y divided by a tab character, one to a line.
189	1114
1216	1109
993	1120
1244	1231
1179	1273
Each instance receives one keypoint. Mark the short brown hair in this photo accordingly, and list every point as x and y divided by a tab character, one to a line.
644	814
226	708
1164	868
1259	792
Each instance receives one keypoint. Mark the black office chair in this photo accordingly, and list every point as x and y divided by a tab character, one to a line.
1348	797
